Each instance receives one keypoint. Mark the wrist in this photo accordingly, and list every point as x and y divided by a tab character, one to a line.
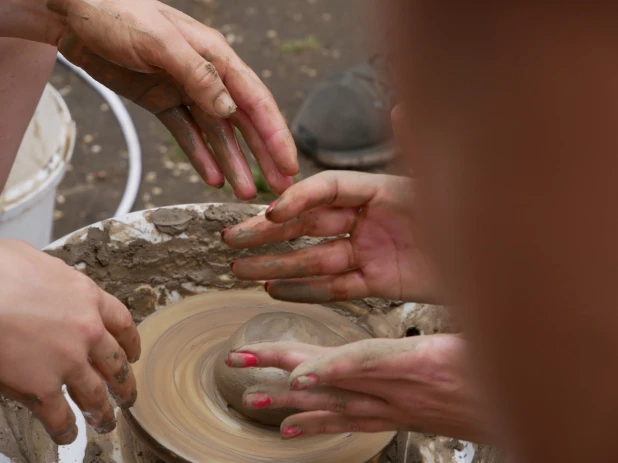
31	20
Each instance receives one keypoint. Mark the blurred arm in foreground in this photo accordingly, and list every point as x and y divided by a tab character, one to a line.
514	113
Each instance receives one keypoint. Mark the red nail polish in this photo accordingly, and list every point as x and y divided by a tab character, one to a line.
241	360
270	209
232	265
302	383
259	400
224	231
291	432
266	284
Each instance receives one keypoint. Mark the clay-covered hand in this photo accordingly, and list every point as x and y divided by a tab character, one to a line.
58	328
381	257
419	384
187	74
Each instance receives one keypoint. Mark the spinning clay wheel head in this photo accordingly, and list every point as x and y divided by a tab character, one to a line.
189	405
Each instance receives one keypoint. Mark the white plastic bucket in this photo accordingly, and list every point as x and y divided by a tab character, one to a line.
28	201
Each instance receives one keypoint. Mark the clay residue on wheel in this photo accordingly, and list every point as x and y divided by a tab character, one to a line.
22	438
171	221
144	275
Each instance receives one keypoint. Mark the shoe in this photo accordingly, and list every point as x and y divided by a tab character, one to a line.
345	121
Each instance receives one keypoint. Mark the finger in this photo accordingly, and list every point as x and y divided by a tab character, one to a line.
339	189
344	287
198	76
323	422
52	410
368	359
119	323
319	222
283	355
249	92
182	126
57	417
89	393
230	158
277	181
111	362
278	395
329	258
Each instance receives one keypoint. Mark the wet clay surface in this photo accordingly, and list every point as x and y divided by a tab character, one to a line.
22	438
285	326
179	404
190	254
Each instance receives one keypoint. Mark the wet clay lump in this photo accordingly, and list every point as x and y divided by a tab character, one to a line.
272	326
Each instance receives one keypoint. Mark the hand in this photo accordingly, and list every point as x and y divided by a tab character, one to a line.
57	327
190	78
380	258
418	384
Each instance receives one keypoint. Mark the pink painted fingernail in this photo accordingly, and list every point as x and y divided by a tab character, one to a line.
241	360
224	231
258	400
305	382
270	209
291	432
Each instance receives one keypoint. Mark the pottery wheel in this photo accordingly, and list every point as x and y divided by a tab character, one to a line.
179	410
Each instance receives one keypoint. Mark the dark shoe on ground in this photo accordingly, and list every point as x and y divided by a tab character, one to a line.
345	121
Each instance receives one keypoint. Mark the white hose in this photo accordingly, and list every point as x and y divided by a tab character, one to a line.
128	131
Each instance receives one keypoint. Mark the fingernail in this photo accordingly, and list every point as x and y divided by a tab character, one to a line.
291	432
224	105
266	286
105	426
241	360
218	187
304	382
224	231
258	400
270	209
232	265
66	437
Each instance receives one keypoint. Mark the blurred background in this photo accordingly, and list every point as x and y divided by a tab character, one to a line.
291	44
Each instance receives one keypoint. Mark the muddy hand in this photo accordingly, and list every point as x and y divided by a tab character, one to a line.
418	384
57	327
189	76
379	258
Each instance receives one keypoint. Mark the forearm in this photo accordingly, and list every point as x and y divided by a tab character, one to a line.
24	70
30	20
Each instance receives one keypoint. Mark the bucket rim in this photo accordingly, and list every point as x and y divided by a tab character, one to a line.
30	192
